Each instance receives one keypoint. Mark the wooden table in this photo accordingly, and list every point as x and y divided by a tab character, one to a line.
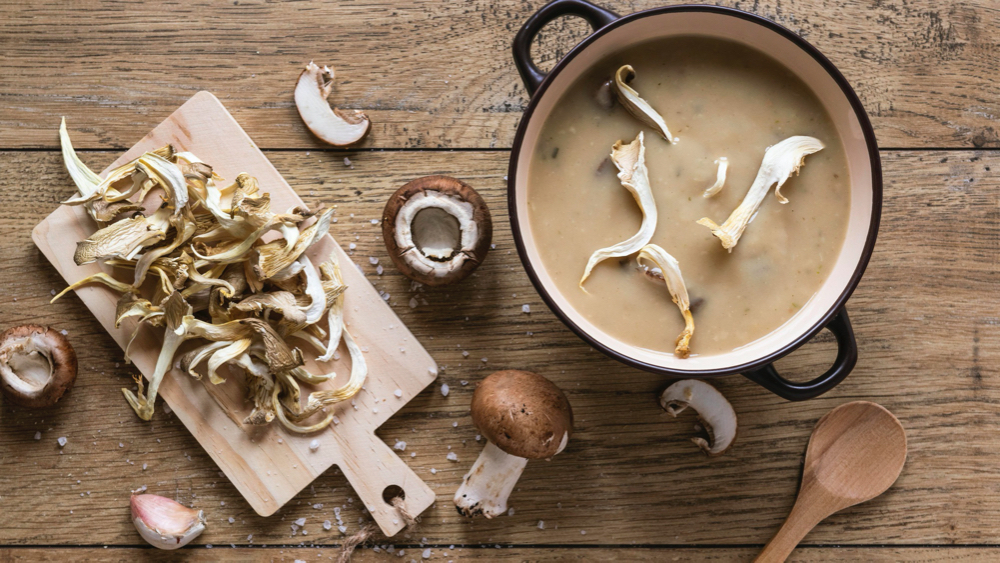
442	92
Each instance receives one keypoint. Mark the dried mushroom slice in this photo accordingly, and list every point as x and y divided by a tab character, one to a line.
716	415
631	162
335	126
638	107
668	270
780	162
37	365
720	178
437	230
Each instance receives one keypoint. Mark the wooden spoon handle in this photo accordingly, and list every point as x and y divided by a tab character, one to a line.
804	516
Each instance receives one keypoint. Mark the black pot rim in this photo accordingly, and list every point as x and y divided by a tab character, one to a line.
873	155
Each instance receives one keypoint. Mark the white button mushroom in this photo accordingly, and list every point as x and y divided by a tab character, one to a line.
523	416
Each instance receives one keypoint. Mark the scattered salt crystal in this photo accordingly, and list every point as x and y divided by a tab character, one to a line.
479	437
413	303
525	308
222	503
144	467
372	260
64	332
385	296
541	524
433	370
583	532
374	221
250	537
352	246
509	513
485	360
301	521
231	520
463	382
426	554
38	435
336	420
347	161
62	441
314	445
375	410
121	445
530	333
400	446
342	529
53	292
414	454
465	353
452	456
379	270
327	525
444	389
434	471
454	424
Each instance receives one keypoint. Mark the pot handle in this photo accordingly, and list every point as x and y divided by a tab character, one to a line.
847	356
530	75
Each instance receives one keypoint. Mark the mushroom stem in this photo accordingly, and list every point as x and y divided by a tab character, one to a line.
487	485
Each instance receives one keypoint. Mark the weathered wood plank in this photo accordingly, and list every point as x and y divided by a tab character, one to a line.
436	74
226	554
926	317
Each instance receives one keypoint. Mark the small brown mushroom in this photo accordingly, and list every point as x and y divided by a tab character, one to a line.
37	365
437	230
523	416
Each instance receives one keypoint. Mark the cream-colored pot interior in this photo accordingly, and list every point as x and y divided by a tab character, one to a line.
829	93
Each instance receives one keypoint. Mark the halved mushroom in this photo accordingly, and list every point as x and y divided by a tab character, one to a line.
523	416
37	365
437	230
335	126
715	414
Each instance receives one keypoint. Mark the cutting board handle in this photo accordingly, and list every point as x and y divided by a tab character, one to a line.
373	467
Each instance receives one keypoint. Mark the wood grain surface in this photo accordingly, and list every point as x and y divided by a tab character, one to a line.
436	76
924	315
439	74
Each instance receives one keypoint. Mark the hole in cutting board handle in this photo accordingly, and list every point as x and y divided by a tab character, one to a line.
391	492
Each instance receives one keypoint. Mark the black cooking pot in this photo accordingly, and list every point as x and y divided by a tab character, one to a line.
613	33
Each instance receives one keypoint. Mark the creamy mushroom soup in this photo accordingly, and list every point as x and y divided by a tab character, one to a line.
720	100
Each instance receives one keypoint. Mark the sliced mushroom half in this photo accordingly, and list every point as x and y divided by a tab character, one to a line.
437	230
37	365
335	126
715	414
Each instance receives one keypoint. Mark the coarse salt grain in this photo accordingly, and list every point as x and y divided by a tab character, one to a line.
300	522
433	370
62	441
426	554
352	246
327	525
399	446
452	456
314	445
444	389
454	424
398	393
541	524
38	435
347	161
525	308
434	471
372	260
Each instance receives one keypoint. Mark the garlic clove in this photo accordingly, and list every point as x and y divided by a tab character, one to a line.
165	523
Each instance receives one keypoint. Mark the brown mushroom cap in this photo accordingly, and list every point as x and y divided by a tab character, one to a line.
37	365
422	213
522	413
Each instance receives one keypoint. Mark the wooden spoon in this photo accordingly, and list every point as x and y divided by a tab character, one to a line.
855	453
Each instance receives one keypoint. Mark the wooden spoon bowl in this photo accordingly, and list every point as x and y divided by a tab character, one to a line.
856	452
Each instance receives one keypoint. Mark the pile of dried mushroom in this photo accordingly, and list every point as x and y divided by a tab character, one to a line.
201	269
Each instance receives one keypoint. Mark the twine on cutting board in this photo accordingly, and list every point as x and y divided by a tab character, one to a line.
370	529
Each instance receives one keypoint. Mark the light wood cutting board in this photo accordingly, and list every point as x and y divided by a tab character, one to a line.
268	464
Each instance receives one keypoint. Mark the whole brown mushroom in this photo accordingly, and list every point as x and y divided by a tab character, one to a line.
437	230
37	365
523	416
